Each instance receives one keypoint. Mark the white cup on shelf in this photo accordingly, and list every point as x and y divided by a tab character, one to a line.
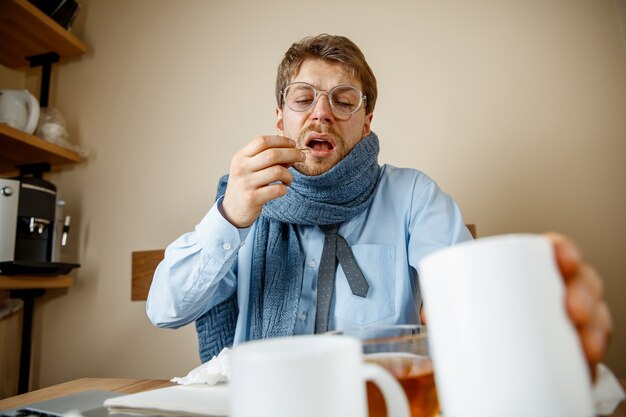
19	109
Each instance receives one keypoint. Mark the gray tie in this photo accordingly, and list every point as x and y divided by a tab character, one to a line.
335	247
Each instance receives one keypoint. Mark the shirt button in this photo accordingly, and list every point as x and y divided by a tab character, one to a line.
226	246
312	263
302	316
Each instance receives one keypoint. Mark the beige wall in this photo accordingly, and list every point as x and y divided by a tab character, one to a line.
518	109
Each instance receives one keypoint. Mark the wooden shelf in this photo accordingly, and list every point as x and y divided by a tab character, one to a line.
26	31
30	282
19	148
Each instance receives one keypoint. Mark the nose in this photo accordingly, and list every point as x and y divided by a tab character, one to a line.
322	112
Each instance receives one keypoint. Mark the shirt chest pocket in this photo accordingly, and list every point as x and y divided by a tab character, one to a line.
377	262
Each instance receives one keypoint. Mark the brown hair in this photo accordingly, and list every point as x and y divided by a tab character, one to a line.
329	48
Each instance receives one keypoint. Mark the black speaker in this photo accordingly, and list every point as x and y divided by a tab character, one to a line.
63	12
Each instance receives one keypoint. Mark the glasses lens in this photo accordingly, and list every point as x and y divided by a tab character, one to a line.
345	99
299	96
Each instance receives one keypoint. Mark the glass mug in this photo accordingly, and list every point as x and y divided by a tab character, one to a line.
403	351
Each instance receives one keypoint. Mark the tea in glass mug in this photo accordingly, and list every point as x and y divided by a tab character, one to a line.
403	351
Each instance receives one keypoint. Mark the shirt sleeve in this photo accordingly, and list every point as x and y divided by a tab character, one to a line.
436	221
198	272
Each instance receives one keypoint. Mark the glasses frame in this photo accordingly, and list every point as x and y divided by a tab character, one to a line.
362	97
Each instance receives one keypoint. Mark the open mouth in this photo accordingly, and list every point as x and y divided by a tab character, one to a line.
320	143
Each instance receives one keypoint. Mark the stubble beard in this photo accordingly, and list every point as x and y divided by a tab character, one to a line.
316	166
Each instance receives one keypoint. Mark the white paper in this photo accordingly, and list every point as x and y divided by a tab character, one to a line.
188	400
607	391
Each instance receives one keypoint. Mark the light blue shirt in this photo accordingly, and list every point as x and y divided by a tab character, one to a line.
409	218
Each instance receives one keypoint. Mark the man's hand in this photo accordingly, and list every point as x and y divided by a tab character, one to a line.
583	299
258	174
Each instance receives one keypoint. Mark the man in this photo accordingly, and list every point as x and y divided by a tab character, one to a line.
262	262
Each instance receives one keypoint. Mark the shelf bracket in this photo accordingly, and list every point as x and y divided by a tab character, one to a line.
28	296
44	61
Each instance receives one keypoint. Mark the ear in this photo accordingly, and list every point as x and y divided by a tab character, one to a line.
279	120
366	125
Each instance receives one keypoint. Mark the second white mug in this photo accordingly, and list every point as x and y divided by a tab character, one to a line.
307	376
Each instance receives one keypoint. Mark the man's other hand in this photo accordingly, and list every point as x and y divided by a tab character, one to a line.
583	299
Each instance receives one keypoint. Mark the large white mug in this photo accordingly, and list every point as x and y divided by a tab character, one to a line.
307	376
19	109
501	341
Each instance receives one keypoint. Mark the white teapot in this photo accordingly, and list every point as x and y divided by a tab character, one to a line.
19	109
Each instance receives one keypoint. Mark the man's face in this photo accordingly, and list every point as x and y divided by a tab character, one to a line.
330	136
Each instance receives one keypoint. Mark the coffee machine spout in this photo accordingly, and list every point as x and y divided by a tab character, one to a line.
37	224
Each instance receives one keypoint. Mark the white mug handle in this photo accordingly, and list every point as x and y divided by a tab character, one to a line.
395	398
33	113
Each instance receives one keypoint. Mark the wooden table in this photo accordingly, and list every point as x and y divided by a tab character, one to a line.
130	386
29	287
127	386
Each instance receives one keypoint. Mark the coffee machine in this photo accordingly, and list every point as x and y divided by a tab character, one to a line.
29	228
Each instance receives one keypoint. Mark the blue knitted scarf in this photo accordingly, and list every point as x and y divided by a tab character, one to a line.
333	197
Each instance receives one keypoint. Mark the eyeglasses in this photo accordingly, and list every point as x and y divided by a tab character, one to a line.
344	99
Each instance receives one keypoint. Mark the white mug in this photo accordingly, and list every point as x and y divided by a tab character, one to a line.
307	376
19	109
500	338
